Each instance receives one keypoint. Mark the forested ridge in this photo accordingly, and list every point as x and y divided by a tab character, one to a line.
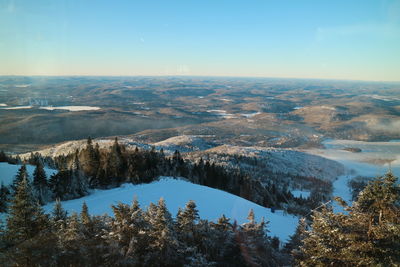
95	167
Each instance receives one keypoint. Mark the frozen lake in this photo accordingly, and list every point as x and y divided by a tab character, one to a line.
375	159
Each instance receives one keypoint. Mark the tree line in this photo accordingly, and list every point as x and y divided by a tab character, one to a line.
94	167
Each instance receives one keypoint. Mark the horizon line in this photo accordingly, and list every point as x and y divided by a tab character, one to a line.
199	76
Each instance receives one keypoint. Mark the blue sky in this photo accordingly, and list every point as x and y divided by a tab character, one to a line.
304	39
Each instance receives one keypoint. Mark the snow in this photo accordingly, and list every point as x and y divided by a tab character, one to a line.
300	193
8	172
211	203
18	107
250	115
183	143
375	159
287	161
71	108
222	113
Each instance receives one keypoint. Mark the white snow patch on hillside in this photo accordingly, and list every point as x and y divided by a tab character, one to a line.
72	108
250	115
8	172
211	203
222	113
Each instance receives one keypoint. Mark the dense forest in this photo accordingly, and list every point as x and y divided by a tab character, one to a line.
92	167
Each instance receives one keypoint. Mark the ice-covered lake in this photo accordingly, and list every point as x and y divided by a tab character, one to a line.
72	108
69	108
374	159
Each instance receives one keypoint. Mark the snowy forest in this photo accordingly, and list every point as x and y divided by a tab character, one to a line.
92	167
367	233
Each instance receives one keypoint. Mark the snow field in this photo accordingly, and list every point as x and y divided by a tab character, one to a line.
211	203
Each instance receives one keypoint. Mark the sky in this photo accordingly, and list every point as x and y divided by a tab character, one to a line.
341	39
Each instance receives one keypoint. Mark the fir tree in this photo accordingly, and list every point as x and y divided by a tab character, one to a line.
59	215
26	218
40	185
367	235
21	175
4	198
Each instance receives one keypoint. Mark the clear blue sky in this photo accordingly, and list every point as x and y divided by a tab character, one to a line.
341	39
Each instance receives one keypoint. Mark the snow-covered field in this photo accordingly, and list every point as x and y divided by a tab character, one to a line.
211	203
8	172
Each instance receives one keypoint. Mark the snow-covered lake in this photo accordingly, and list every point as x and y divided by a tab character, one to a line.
211	203
375	159
8	172
72	108
69	108
18	107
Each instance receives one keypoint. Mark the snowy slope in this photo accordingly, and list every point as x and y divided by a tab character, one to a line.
183	143
211	203
8	172
286	160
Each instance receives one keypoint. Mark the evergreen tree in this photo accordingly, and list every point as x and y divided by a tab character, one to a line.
21	175
255	243
4	198
40	185
26	218
164	245
186	220
367	235
59	215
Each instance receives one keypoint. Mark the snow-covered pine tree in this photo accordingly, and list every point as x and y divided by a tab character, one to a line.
164	243
186	221
254	242
77	185
367	235
26	218
59	216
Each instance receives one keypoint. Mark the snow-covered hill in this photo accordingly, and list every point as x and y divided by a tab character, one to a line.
211	203
283	161
8	172
278	160
184	143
